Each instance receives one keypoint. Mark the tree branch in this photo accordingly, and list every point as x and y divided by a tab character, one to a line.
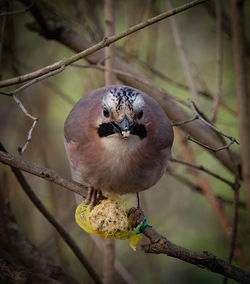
193	186
218	88
227	146
179	123
42	172
161	245
185	60
205	170
75	41
164	77
21	11
158	244
110	79
105	42
242	94
39	205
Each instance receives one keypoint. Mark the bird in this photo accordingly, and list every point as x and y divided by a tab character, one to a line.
118	140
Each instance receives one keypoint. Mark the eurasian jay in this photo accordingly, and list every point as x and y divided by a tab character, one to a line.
118	140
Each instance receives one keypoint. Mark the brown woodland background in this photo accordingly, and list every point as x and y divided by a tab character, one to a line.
201	53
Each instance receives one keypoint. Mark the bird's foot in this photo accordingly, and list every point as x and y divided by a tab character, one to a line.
93	197
138	216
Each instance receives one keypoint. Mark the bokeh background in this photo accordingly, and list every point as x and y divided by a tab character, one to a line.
176	210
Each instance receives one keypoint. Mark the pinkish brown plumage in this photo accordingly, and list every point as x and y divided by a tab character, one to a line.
118	139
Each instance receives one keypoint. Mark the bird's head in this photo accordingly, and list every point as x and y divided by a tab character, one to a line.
122	112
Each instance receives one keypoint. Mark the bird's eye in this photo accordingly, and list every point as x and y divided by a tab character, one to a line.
140	114
106	113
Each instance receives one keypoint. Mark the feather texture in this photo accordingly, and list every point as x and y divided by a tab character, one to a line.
112	163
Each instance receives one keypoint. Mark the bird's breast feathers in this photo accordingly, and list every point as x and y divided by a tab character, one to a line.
119	150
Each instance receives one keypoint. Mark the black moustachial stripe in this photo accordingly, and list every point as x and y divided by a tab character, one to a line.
139	130
105	129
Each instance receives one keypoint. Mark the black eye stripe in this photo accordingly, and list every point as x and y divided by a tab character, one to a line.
139	130
105	129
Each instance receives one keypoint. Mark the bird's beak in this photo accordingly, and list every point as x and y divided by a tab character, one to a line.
123	127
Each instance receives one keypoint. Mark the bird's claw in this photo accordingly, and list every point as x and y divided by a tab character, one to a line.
138	216
93	197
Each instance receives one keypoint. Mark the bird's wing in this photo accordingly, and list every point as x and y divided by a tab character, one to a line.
162	134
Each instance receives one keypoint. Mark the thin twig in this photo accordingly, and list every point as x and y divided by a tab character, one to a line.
65	235
158	244
197	112
128	75
105	42
180	178
174	111
22	149
37	79
185	121
163	76
201	117
212	199
205	170
218	88
227	146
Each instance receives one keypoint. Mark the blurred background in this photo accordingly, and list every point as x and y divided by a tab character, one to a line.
175	206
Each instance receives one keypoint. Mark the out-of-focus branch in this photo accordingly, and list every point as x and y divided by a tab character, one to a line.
109	30
158	244
67	238
218	88
20	261
110	79
162	76
233	240
17	12
203	169
183	56
105	42
228	229
72	39
226	22
242	94
23	148
193	186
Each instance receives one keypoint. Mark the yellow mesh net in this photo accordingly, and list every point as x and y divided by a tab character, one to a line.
108	219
